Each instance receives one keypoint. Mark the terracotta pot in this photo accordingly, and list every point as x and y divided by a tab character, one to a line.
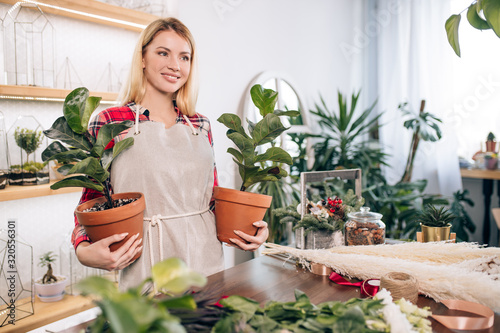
237	210
102	224
435	234
491	146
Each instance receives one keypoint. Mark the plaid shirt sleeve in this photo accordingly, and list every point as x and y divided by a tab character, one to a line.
108	116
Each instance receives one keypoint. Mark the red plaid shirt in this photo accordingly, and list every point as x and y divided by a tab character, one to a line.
117	115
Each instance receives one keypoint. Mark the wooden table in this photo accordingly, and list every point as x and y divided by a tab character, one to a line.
488	177
269	278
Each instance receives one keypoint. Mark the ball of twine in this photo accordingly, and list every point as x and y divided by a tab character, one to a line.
401	285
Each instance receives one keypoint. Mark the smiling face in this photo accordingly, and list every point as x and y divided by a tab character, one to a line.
166	63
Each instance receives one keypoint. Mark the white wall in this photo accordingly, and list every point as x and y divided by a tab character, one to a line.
298	37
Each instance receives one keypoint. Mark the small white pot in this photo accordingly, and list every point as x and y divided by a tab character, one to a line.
51	292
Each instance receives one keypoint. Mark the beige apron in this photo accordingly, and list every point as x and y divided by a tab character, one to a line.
173	167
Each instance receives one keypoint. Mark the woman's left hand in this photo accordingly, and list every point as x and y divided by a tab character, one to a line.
252	242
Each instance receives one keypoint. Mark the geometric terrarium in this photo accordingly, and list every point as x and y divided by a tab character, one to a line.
16	277
26	141
4	154
29	46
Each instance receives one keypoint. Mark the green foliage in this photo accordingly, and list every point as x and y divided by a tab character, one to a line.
356	315
481	15
47	258
431	216
75	145
313	222
133	311
490	137
255	167
28	140
29	166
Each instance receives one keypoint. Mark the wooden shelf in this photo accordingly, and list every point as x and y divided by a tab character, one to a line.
14	192
46	94
95	11
46	313
480	174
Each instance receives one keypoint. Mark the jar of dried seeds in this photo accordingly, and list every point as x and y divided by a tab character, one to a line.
364	228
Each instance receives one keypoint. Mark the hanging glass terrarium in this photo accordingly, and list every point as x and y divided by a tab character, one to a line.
26	141
4	154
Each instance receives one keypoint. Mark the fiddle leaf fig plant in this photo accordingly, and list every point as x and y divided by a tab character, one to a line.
87	158
255	166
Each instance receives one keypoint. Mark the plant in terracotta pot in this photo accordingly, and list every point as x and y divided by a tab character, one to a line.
435	223
237	210
491	142
50	287
86	161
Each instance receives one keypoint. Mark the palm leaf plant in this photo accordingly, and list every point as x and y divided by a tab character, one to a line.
91	156
425	127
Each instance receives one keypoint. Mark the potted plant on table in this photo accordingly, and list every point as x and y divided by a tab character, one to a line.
50	287
491	142
87	160
435	223
237	210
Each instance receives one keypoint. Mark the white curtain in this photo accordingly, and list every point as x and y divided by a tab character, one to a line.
414	63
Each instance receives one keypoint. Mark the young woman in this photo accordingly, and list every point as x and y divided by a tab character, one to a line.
171	162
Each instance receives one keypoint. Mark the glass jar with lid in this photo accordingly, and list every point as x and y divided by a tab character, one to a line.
364	228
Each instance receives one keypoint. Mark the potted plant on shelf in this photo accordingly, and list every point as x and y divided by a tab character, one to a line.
50	287
87	161
435	223
491	142
237	210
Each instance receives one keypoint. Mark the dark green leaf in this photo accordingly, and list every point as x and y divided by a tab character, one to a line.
267	129
232	122
236	154
183	302
77	181
244	144
64	169
90	167
110	154
73	155
107	133
275	154
120	319
60	130
475	20
288	113
90	106
54	148
74	107
451	27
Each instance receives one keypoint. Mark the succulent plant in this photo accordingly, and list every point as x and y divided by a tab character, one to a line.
434	217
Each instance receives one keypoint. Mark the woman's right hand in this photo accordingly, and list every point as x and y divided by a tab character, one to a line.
99	255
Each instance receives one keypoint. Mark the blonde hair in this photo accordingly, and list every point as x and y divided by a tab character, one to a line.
134	88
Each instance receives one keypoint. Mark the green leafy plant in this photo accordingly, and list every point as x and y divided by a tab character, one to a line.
356	315
74	144
28	140
253	165
29	166
490	137
138	312
329	215
481	15
432	216
425	127
47	259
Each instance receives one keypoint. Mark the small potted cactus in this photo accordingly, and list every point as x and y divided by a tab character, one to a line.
491	142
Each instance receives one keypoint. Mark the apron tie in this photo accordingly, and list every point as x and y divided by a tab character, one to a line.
155	221
193	130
